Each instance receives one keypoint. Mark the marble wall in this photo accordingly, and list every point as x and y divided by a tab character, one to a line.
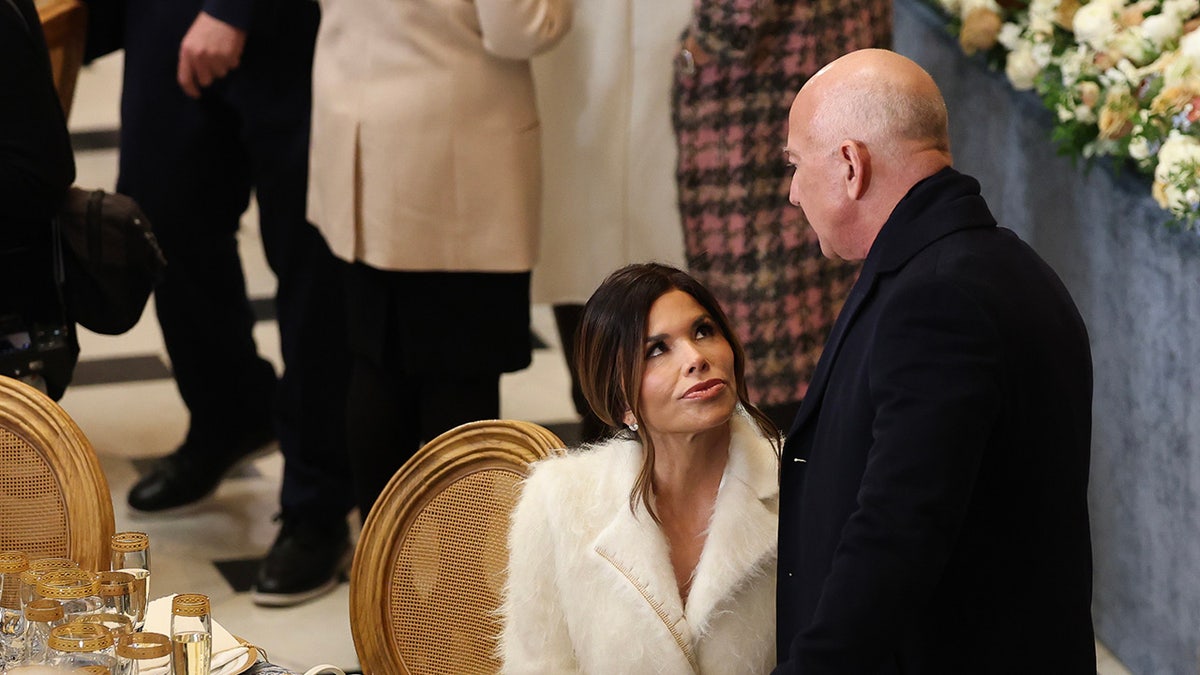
1137	285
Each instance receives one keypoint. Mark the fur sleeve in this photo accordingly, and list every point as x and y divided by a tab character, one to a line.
535	637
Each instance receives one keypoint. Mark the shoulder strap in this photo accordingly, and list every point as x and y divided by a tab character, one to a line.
93	223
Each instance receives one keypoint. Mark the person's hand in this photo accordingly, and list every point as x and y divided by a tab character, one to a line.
209	51
699	56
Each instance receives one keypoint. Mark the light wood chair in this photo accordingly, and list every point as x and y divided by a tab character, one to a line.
429	568
54	499
65	24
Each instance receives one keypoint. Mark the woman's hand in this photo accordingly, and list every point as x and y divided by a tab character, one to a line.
692	55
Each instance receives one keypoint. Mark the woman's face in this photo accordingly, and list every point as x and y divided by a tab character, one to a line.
688	381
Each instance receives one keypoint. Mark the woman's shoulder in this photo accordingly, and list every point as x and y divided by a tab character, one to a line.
586	466
581	487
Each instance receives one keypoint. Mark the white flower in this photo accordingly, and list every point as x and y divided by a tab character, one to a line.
1160	29
1042	14
1043	52
1181	9
968	6
952	7
1096	22
1189	49
1139	148
1073	64
1084	114
1177	70
1133	46
1010	35
1178	159
1117	80
1021	67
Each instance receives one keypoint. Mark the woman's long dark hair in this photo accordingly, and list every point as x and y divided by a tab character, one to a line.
610	359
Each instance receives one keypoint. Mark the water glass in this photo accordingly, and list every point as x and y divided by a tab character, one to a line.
37	568
42	616
77	590
141	652
82	646
191	634
116	624
12	564
12	621
116	594
38	669
130	553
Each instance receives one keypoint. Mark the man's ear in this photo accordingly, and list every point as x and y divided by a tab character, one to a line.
856	161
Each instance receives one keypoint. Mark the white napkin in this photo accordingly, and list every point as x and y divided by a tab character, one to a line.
228	655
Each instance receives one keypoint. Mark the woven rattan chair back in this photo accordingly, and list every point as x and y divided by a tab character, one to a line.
429	569
54	499
65	24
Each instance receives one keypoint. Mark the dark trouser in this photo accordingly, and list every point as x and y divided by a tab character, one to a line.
192	165
429	348
391	416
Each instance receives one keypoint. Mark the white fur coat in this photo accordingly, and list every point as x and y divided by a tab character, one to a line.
591	588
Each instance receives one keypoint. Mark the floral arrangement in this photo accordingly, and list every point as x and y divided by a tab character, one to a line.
1122	77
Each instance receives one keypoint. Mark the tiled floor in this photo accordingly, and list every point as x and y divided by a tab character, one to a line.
126	403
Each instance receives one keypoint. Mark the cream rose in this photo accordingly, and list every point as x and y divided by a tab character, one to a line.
1096	22
1162	28
1179	154
1021	68
980	30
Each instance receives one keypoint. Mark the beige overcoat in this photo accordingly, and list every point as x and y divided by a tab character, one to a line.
425	134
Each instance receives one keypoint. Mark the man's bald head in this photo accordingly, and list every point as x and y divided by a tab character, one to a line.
880	98
862	132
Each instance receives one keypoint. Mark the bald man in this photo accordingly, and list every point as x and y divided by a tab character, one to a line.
933	514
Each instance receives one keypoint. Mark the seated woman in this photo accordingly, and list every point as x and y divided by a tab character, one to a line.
655	550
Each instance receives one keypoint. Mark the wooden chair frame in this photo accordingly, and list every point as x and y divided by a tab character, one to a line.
459	454
30	417
64	23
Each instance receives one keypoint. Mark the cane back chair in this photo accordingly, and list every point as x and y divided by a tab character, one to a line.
54	499
429	569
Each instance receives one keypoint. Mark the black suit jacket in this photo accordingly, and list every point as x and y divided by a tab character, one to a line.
933	514
36	165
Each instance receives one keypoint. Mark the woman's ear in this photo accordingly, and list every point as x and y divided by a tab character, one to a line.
628	419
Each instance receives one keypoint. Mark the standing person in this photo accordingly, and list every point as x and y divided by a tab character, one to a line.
740	62
933	511
36	168
425	179
608	158
655	550
215	104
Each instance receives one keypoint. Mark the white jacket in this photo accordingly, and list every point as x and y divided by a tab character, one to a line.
591	588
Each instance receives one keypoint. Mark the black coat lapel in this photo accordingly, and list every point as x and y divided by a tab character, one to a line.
941	204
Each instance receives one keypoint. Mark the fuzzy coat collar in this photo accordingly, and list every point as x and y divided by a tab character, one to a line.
742	539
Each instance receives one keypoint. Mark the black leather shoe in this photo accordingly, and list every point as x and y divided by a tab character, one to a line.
305	562
192	473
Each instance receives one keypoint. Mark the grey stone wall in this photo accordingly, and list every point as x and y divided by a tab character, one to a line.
1137	285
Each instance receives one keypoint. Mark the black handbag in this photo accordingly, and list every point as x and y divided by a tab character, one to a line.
111	260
